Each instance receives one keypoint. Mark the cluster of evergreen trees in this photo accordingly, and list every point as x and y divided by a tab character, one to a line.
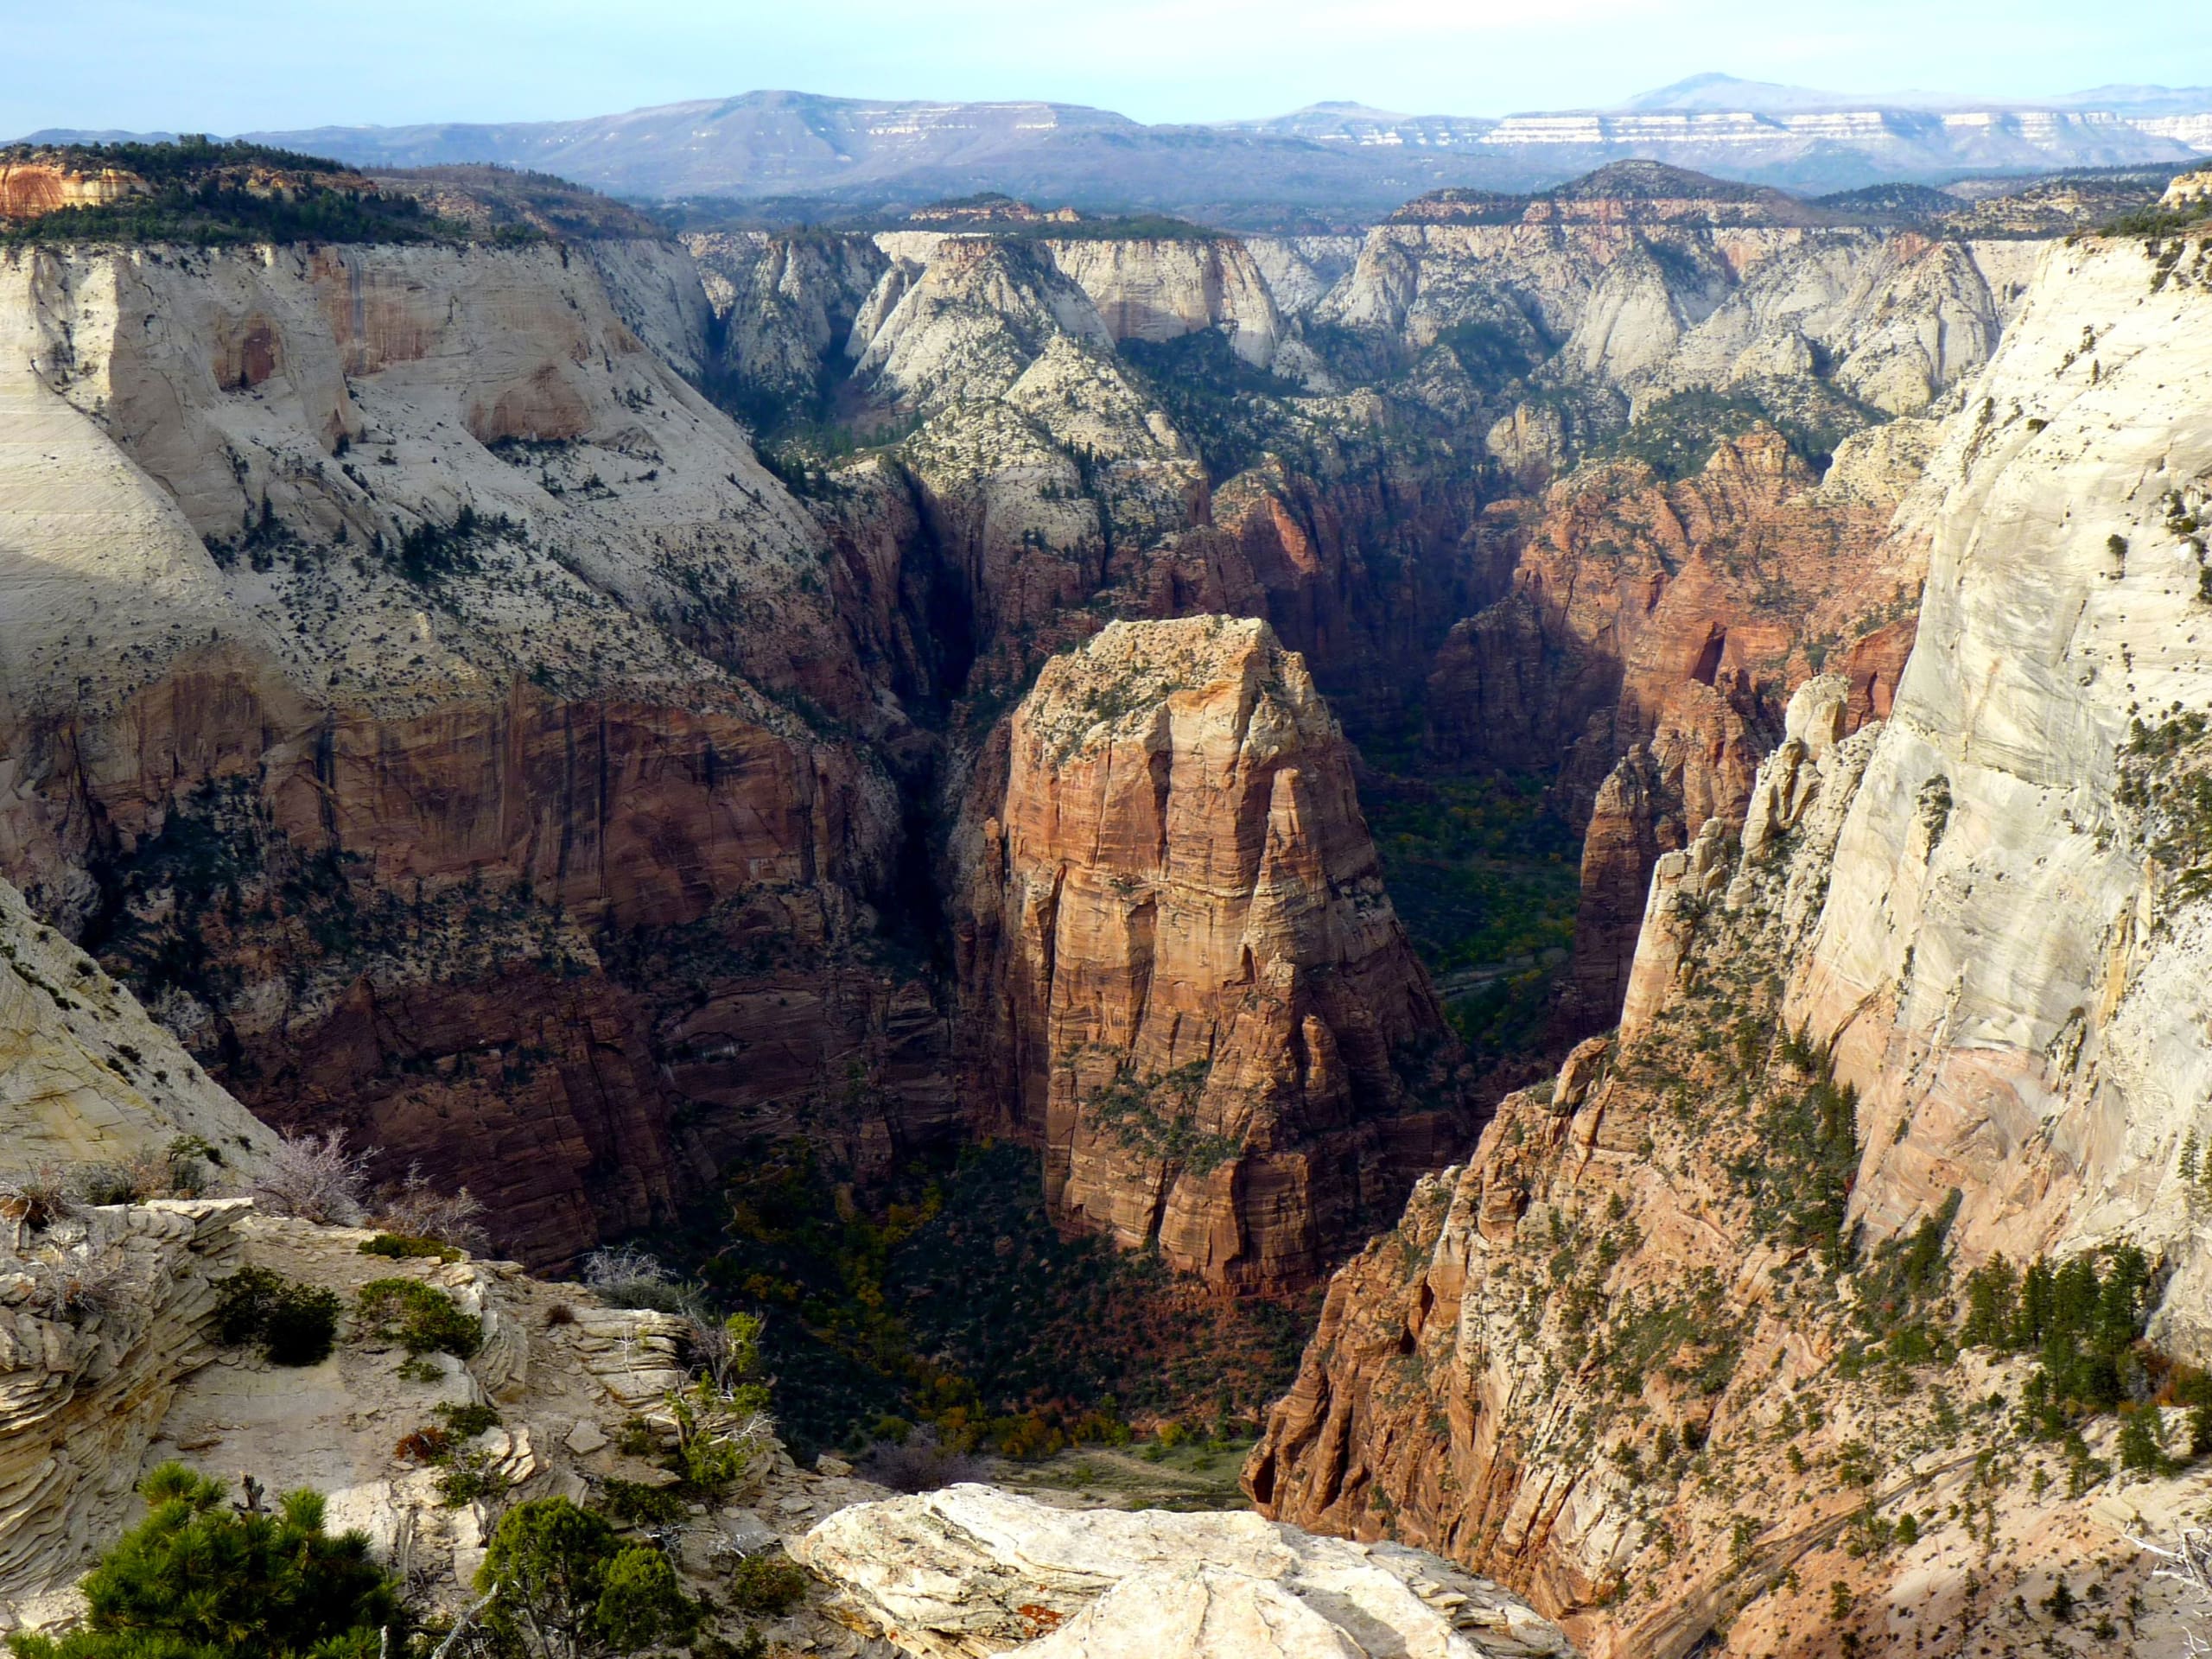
2080	1320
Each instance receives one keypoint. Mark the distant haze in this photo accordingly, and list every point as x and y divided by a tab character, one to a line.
784	157
246	65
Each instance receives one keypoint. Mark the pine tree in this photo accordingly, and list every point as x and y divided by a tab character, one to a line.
195	1577
1993	1305
2035	1306
565	1586
2140	1447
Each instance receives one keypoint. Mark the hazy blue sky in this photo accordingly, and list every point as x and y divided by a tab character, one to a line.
240	64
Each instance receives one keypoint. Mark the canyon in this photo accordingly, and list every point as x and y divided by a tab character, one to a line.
119	1355
478	747
599	717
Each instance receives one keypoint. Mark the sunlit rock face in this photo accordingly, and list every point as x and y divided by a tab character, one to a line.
1201	1001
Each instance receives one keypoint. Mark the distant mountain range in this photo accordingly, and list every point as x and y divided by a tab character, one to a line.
798	154
1713	93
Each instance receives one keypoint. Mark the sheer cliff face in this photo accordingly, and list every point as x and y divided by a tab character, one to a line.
405	814
1604	1360
2009	962
1198	997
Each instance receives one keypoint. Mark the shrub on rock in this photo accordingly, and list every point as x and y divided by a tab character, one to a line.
295	1325
563	1582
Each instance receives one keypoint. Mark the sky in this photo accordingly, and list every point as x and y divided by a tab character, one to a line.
234	65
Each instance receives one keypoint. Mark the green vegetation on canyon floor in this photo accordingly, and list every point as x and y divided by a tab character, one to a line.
1487	877
956	1307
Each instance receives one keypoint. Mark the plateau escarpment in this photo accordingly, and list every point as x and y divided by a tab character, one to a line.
1722	1341
1184	975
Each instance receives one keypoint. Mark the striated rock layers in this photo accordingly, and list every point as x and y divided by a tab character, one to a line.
386	684
1186	981
1673	1351
969	1572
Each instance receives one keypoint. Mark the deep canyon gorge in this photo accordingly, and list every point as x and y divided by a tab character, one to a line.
1544	853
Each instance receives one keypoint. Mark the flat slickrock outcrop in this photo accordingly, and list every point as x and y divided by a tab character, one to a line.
971	1571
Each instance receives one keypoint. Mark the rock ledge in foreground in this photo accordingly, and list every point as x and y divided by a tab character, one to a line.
973	1571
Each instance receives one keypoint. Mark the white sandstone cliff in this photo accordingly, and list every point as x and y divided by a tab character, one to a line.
2011	957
